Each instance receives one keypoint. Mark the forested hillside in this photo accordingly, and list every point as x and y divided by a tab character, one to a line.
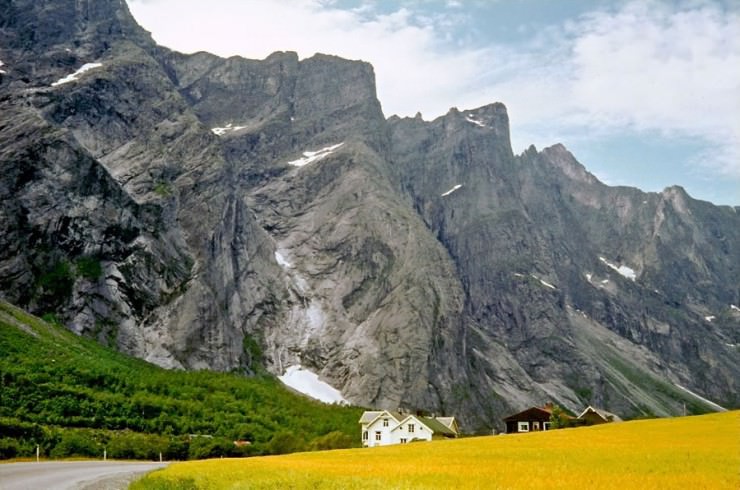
75	398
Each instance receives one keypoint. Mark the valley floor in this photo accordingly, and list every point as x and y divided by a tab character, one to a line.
688	452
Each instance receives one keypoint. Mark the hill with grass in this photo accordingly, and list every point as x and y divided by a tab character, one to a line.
74	397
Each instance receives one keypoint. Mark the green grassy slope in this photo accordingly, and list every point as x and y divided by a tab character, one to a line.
75	397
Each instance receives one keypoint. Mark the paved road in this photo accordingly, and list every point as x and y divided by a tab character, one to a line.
72	475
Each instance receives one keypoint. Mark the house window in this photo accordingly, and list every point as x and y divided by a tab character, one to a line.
377	435
403	440
546	426
364	435
523	426
411	428
385	422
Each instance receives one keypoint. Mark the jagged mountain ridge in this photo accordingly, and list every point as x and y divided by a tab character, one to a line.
369	265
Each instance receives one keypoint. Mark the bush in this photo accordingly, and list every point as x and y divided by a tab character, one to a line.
133	445
55	285
89	268
15	428
8	448
163	189
253	353
210	447
246	451
177	449
333	440
76	444
52	318
285	442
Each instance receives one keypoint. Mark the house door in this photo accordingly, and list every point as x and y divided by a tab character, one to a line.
535	425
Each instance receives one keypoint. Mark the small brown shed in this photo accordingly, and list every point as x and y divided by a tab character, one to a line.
529	420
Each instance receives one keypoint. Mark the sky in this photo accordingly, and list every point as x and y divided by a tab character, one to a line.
644	93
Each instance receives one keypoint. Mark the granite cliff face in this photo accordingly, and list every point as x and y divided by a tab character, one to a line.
202	212
126	180
593	294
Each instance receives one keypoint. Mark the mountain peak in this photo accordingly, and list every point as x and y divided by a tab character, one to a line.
559	156
282	55
84	25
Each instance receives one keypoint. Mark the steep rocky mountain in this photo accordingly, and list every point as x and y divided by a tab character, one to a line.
202	212
599	294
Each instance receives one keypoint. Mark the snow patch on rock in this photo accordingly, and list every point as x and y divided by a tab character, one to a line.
452	190
623	270
544	283
313	156
226	129
74	76
282	260
308	383
472	120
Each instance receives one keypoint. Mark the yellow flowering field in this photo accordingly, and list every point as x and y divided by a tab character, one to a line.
682	453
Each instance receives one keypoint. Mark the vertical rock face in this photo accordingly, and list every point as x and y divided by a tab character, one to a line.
565	274
202	212
370	294
175	278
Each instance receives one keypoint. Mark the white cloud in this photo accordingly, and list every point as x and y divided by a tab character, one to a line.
647	66
670	67
654	68
653	62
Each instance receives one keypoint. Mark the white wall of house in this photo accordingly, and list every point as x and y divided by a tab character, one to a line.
379	431
411	429
386	430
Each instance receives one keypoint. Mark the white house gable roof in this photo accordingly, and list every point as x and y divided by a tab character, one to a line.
370	417
411	418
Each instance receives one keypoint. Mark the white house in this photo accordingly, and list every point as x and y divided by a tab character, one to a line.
383	427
